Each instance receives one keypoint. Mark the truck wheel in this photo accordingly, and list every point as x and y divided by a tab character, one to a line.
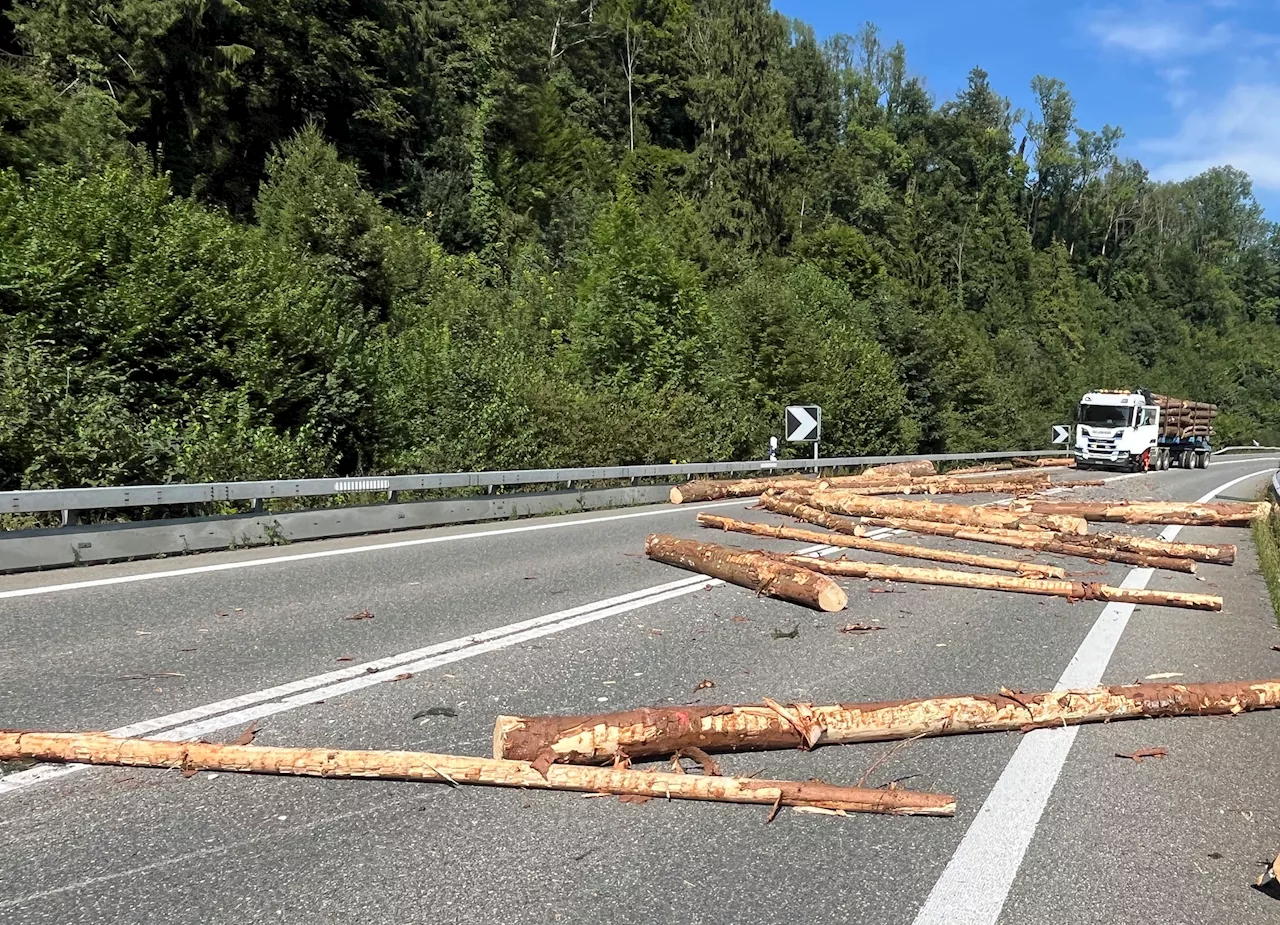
1202	460
1188	459
1164	458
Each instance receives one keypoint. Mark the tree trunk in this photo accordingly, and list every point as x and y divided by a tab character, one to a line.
1200	514
934	487
893	482
1046	462
848	502
989	467
908	469
714	489
1041	541
650	733
1071	590
1220	553
755	570
98	748
1028	569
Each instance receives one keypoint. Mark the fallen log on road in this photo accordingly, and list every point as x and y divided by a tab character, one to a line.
1045	462
99	748
849	502
935	487
1219	553
750	569
1055	543
1071	590
715	489
658	731
1199	514
915	468
1028	569
1034	479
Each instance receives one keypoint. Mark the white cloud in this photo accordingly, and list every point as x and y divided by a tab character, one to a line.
1160	30
1240	128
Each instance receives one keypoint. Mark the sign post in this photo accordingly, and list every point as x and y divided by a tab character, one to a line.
804	425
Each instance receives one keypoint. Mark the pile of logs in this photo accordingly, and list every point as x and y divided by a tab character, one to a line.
851	506
1181	418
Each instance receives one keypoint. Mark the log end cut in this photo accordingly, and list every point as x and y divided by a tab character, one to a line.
503	726
676	496
832	598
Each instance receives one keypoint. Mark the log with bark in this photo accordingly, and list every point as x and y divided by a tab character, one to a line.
1219	553
755	570
1071	590
1028	569
849	502
934	487
989	467
1041	541
917	467
650	733
1046	462
1201	514
100	748
1026	479
715	489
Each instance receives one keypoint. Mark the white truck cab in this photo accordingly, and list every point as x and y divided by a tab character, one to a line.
1118	429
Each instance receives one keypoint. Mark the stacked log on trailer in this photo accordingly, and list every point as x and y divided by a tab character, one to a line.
1181	418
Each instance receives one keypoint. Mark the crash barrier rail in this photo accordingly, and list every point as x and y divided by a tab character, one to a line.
450	498
72	500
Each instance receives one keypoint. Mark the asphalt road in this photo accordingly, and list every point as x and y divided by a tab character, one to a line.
565	615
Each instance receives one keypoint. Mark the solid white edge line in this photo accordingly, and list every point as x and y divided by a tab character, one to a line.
348	551
202	720
976	882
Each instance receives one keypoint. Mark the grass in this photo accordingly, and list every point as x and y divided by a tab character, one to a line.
1266	537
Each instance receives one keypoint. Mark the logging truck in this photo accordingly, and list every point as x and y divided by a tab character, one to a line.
1140	431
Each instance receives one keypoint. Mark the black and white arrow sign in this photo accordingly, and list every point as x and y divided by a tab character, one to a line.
1061	433
804	423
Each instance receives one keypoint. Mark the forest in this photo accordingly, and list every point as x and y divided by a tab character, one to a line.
270	238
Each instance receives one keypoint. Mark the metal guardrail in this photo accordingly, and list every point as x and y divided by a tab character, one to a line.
86	499
1252	449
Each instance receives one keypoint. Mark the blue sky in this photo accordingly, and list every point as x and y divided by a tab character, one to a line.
1193	84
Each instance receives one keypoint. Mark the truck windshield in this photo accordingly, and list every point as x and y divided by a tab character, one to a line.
1103	415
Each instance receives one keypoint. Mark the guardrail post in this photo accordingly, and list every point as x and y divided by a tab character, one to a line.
257	506
69	519
393	496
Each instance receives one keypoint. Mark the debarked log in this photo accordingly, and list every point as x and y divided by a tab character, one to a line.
99	748
1055	543
750	569
1029	569
1071	590
852	503
1200	514
658	731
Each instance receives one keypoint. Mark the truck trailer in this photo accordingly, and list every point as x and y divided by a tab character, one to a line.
1139	431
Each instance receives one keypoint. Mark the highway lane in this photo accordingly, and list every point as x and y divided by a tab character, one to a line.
116	845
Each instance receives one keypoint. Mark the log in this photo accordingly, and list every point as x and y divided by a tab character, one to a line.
848	502
1046	462
989	467
914	468
1199	514
1071	590
99	748
650	733
1042	541
1219	553
944	487
714	489
1033	479
1028	569
757	571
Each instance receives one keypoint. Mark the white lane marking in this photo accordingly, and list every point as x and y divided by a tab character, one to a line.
199	721
976	882
350	550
